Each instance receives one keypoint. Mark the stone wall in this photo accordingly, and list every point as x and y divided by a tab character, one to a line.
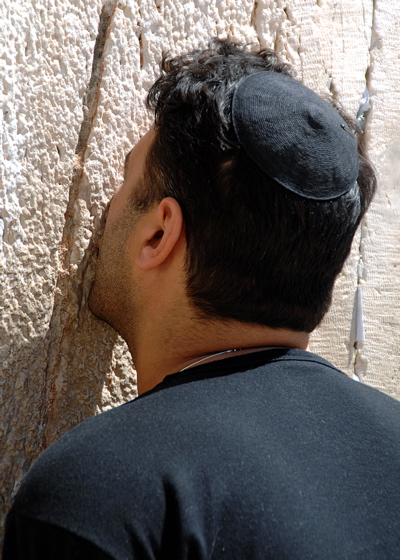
74	77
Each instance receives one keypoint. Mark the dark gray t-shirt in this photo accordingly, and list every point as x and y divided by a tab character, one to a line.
270	455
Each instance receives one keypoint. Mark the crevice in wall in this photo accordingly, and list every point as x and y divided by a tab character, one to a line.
62	320
90	100
289	15
333	90
141	60
253	19
360	364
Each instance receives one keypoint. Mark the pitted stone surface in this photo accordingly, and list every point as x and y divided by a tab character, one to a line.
74	77
378	362
46	57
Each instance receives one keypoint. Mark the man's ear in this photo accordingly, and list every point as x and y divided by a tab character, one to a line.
161	231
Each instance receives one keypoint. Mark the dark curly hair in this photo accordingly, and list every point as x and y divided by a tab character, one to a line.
256	252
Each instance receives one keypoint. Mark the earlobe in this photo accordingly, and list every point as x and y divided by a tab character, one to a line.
161	234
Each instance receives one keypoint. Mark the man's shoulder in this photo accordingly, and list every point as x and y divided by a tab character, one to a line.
147	437
95	480
290	418
204	399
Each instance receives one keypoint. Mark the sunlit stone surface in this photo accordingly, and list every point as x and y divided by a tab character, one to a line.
74	75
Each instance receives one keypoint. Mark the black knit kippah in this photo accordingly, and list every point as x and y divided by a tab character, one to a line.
295	136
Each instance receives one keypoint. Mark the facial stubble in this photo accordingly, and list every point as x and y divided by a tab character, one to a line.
114	296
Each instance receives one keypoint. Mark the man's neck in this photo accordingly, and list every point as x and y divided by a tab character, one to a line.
173	347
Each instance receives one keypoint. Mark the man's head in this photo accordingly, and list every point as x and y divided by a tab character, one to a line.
262	246
257	252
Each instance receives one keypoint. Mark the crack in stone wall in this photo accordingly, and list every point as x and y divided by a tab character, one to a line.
381	284
69	291
360	365
90	104
253	18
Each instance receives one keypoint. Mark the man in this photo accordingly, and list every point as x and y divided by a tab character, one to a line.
218	259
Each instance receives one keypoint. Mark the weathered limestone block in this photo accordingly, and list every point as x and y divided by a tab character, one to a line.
74	77
46	58
378	362
374	263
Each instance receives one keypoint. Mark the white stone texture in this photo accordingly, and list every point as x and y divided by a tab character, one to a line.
378	361
74	74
